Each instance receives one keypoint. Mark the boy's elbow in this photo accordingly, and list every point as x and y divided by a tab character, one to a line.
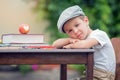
56	45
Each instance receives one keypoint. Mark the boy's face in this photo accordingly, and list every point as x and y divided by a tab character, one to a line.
77	28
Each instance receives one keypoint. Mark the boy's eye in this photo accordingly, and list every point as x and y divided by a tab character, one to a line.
76	25
70	31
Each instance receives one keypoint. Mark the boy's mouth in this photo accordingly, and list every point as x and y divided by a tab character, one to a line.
79	36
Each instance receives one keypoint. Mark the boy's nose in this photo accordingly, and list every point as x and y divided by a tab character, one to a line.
75	30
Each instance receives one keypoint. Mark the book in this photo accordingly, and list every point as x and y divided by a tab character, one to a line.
23	44
26	46
11	47
24	41
23	38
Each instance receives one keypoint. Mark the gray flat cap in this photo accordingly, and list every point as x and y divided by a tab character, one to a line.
68	14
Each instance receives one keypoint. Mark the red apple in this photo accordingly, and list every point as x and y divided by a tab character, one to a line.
24	28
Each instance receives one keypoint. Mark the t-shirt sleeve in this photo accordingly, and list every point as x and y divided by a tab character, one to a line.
100	36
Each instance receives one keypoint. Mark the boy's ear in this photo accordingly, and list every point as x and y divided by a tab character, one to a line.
86	19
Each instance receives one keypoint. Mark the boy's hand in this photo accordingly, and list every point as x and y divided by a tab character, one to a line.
64	42
73	40
67	46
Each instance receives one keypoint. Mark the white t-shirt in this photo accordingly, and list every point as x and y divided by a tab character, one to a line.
104	56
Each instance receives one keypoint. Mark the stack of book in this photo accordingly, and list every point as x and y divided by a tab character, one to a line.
24	40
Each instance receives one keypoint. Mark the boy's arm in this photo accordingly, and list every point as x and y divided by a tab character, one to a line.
61	42
88	43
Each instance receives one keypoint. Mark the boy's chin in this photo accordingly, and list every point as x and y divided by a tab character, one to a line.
81	38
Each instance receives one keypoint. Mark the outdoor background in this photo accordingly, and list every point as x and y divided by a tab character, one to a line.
42	16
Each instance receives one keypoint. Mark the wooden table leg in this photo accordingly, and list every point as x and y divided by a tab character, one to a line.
89	68
63	72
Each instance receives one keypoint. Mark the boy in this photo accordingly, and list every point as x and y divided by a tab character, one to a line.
75	24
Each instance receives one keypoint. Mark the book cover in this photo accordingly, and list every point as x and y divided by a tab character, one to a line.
26	46
23	38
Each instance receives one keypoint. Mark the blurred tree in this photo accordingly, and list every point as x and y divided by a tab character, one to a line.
102	14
